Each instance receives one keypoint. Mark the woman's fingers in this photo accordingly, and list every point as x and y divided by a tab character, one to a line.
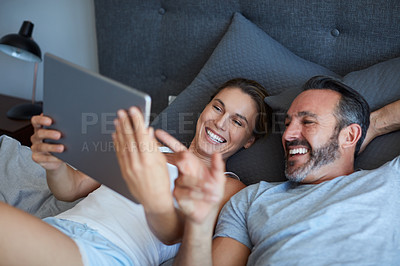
140	132
46	148
42	134
132	139
39	121
123	140
170	141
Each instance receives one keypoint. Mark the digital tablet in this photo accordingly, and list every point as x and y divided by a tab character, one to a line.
83	106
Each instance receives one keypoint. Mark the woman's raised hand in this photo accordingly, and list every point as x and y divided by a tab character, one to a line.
199	189
142	165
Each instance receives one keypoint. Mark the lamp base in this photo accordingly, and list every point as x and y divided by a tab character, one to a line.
24	111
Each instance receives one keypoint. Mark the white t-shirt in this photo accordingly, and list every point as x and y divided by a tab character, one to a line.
124	223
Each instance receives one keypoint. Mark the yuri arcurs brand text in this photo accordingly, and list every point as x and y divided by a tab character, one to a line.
109	146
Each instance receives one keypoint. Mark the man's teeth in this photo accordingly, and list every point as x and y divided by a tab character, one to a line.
215	137
298	151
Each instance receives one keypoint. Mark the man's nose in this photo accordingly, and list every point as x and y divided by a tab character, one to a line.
292	131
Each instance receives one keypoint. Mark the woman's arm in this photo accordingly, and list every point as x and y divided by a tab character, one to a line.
183	158
201	200
65	183
68	184
144	170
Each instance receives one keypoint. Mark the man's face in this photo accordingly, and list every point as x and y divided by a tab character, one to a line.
310	140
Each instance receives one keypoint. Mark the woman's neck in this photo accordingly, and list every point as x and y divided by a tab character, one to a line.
205	158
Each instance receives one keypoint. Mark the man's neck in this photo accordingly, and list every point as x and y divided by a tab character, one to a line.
341	167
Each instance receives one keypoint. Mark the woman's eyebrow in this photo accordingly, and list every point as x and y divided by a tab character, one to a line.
221	102
242	117
237	114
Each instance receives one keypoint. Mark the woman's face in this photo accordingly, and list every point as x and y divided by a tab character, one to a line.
226	123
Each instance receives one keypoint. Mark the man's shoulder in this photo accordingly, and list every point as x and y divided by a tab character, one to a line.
393	165
257	189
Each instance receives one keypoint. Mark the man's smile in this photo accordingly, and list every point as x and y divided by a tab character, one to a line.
297	151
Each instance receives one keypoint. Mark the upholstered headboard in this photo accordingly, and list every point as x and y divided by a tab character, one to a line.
160	46
190	47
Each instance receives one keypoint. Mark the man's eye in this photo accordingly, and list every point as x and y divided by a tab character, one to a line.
307	122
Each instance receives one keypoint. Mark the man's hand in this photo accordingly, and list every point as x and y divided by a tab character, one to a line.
142	166
40	150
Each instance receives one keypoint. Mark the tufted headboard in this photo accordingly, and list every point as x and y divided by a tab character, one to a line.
190	47
160	46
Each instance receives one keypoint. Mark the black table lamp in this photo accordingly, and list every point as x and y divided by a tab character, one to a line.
23	47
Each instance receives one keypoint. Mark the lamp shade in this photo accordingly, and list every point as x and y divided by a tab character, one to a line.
21	45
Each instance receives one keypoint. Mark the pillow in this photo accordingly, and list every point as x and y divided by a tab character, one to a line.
248	52
379	85
23	182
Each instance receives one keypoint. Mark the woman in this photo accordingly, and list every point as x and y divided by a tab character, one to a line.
106	228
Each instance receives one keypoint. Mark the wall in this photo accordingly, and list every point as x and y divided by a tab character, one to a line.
65	28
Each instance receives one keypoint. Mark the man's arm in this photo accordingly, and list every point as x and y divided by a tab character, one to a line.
228	251
383	121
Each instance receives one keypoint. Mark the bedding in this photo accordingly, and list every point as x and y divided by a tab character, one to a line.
23	182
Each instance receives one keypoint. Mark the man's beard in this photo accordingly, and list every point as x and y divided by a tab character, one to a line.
318	158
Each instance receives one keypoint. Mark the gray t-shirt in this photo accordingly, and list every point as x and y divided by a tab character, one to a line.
352	219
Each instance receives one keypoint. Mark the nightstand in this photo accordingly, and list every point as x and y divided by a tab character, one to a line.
21	130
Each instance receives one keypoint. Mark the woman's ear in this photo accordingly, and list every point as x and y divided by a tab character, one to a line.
250	142
350	135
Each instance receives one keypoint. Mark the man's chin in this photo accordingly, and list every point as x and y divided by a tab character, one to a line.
295	178
296	174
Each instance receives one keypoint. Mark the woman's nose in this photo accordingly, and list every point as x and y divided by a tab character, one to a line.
221	121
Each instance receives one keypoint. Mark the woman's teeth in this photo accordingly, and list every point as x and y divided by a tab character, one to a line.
215	137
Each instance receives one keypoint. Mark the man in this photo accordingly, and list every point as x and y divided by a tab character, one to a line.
326	213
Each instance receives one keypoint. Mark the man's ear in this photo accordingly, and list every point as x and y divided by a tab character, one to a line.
250	142
350	135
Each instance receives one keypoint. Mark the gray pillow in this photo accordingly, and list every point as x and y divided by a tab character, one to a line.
379	85
23	182
248	52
